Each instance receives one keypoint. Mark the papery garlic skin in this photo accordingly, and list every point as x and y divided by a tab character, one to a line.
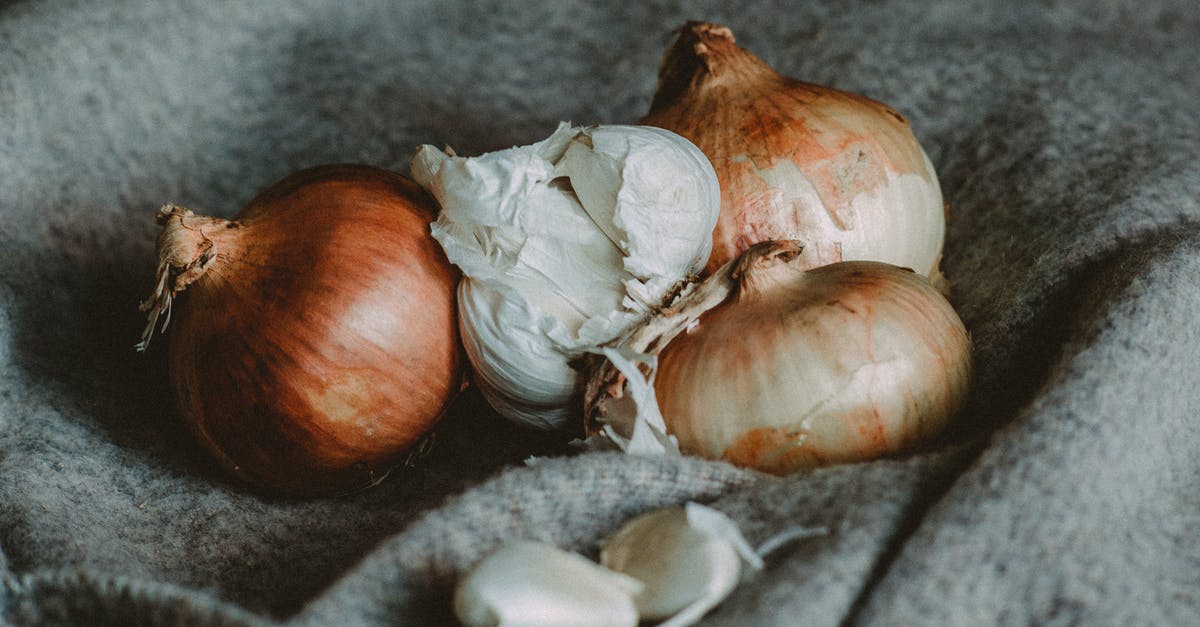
533	584
838	171
564	244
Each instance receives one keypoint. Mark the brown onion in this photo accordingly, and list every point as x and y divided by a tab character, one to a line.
774	367
838	171
316	341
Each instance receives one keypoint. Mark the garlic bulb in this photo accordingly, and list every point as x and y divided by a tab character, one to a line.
564	244
774	367
838	171
532	584
688	559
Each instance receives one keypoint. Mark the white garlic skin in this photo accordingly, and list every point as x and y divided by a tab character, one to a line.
842	363
532	584
563	245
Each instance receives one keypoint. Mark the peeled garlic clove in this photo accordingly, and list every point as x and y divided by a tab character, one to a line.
534	584
688	558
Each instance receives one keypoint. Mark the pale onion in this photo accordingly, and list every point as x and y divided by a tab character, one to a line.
838	171
313	337
564	244
768	365
534	584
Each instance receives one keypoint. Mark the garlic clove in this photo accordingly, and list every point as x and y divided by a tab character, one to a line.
688	558
533	584
661	187
525	378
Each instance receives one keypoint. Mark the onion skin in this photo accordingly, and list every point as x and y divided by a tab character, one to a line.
771	366
317	339
847	362
838	171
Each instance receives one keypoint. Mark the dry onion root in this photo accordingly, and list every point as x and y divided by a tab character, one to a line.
838	171
769	365
316	341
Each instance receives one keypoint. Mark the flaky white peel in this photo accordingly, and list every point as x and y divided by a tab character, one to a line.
564	244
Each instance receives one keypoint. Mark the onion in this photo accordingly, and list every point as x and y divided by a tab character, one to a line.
771	366
838	171
317	339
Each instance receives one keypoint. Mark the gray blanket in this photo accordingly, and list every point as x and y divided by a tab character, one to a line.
1067	140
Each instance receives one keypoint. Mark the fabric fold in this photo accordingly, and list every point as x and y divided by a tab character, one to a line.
1066	144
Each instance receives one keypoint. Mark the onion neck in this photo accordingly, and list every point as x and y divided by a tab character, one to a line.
185	252
764	266
704	56
755	272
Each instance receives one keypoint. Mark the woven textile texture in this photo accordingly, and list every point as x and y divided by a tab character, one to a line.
1067	142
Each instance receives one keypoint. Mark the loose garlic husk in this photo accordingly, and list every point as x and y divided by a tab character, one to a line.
836	170
564	244
687	558
533	584
778	368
